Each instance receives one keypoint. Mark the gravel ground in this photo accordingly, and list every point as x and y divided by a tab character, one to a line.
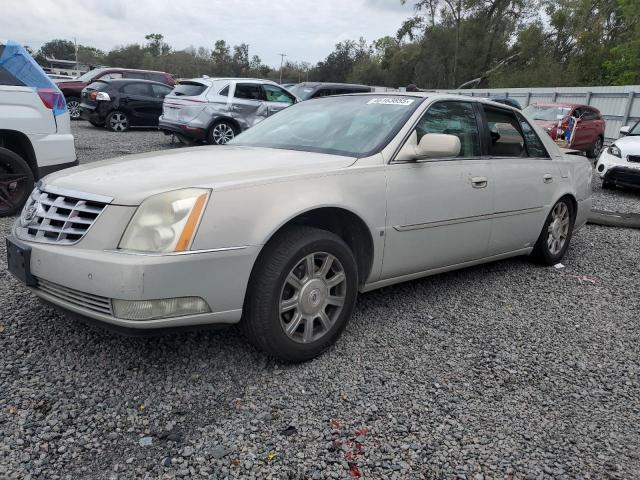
503	370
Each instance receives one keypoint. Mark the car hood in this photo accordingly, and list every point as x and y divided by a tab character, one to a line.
131	179
629	145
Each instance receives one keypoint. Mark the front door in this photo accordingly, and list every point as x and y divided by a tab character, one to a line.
439	210
248	105
277	98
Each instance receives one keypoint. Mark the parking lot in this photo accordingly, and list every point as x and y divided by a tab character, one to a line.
503	370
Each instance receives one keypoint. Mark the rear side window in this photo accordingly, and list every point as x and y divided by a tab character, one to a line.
7	78
110	76
535	147
137	89
189	89
506	139
157	77
453	118
248	91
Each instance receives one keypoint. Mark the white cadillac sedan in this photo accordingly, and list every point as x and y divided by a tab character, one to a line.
281	229
619	164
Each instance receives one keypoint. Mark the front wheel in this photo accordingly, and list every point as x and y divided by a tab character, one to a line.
118	122
556	234
16	182
301	294
595	149
221	133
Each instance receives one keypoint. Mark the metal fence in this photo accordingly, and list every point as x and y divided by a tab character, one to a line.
619	106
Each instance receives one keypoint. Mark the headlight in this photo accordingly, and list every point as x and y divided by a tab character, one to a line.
166	222
615	151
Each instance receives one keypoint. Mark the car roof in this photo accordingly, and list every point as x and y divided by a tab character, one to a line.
120	69
210	80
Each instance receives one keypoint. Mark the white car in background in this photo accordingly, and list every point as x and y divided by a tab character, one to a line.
35	129
281	228
619	164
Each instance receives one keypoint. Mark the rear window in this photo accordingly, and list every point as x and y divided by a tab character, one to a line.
97	86
157	77
8	79
189	89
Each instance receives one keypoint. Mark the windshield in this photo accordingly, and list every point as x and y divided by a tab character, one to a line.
541	112
302	91
354	126
90	75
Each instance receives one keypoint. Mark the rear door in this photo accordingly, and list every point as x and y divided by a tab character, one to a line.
525	180
138	101
277	98
248	105
439	210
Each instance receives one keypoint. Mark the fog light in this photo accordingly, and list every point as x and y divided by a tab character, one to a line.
162	308
600	167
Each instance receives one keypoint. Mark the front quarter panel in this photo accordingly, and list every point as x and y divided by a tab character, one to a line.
250	215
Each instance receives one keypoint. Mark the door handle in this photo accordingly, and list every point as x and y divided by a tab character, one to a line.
547	178
479	182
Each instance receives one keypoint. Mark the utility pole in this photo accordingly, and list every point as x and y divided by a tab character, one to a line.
75	43
282	55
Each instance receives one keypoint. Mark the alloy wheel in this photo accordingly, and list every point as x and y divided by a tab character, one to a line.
74	109
597	148
312	297
222	133
118	122
558	229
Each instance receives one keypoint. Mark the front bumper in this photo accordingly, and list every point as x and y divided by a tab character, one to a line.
85	281
607	162
623	176
196	132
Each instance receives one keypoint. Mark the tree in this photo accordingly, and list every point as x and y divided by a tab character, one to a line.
59	49
156	45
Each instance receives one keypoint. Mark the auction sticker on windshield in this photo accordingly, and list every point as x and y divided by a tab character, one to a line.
391	101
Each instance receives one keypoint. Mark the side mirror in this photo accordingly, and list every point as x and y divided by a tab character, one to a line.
625	130
432	145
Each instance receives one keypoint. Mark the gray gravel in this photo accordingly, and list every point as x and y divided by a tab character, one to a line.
503	370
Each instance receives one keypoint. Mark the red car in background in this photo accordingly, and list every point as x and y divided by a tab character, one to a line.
72	89
554	118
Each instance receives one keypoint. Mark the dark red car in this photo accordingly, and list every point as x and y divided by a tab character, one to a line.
554	118
72	89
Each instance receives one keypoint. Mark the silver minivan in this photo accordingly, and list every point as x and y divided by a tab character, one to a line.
215	110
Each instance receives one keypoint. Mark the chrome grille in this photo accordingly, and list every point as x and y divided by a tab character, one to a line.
88	301
59	217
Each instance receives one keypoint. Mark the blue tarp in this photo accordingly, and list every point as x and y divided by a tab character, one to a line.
17	61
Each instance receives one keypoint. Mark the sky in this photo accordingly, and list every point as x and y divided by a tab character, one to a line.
306	30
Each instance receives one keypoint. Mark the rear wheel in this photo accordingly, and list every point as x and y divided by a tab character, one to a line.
117	121
221	132
301	294
16	182
595	150
556	234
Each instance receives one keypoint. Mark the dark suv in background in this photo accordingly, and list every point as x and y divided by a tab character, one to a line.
73	88
120	104
308	90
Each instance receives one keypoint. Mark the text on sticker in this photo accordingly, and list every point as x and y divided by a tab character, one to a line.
391	101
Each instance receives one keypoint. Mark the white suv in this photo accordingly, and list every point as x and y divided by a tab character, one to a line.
35	129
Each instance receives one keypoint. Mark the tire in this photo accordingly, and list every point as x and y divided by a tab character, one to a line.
270	286
73	104
16	182
595	150
96	124
607	185
117	121
221	133
554	239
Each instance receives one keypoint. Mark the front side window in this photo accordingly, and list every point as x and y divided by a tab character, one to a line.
225	91
453	118
137	89
356	126
248	91
506	139
277	94
535	147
